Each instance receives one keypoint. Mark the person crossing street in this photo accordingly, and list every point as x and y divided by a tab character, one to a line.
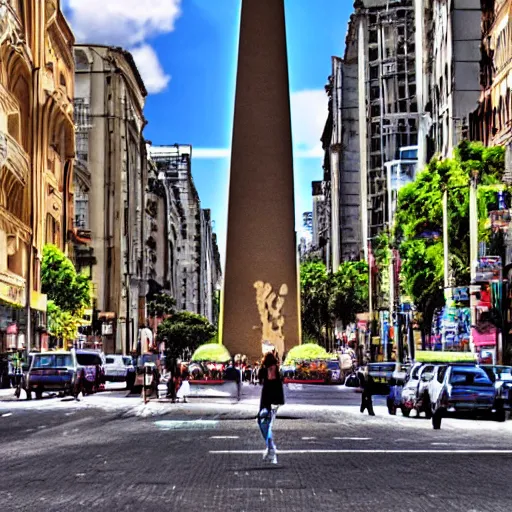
272	396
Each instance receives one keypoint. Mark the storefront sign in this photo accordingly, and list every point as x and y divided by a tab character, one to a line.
38	301
12	294
107	329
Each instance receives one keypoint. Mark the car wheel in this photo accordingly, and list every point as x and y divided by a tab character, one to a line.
406	411
502	414
427	407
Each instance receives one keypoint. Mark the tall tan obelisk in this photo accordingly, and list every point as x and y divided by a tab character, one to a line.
260	298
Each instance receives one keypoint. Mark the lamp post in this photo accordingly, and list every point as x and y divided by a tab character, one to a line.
473	245
446	245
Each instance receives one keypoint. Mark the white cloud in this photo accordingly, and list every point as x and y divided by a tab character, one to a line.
129	24
309	114
155	78
121	22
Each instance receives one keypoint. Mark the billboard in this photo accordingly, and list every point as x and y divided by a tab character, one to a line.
488	269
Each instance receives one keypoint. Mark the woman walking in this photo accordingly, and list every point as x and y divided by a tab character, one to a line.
272	394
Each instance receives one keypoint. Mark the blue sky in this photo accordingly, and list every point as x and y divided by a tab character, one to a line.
186	51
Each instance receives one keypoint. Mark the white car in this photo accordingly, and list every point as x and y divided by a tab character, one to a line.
117	367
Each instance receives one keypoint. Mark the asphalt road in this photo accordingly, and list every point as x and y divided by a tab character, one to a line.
111	452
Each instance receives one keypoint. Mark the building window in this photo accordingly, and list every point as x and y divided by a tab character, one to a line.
82	210
52	231
82	146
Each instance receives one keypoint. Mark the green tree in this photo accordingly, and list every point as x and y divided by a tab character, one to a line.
327	297
161	305
184	332
315	294
62	324
419	221
349	294
69	290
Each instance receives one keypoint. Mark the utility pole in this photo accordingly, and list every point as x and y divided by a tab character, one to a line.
473	244
446	245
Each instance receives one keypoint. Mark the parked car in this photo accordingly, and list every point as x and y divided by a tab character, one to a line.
502	378
414	393
382	373
458	388
119	368
90	366
53	371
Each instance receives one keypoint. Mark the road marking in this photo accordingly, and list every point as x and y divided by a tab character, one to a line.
353	438
7	414
308	438
193	424
224	437
298	452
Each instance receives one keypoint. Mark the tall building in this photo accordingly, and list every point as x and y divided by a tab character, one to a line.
210	272
491	121
320	221
388	109
37	146
193	264
111	185
448	40
341	168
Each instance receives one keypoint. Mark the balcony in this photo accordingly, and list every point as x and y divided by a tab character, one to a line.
17	160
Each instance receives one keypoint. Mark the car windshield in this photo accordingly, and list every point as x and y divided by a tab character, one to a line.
85	359
503	372
414	373
469	377
53	361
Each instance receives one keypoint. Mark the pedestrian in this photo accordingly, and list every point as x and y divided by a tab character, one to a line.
184	389
172	367
232	373
272	394
367	384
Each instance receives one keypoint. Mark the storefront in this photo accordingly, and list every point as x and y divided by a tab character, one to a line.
13	318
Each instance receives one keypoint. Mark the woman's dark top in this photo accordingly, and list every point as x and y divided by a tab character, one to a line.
272	392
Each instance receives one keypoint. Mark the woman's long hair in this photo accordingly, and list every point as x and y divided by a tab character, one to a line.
269	360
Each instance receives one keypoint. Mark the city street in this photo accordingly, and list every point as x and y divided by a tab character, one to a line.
111	452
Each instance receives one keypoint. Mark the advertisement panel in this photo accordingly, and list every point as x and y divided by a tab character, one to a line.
488	269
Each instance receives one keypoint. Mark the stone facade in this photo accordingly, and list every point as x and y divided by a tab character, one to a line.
341	144
37	147
448	61
193	261
491	122
111	186
210	269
